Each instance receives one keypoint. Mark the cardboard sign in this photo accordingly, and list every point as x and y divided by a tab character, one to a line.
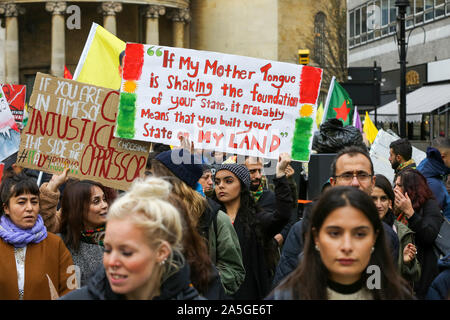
379	153
15	95
72	124
220	102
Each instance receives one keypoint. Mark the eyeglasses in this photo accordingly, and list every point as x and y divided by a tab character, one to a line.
347	177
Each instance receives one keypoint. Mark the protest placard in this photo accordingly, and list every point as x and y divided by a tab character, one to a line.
72	124
15	95
220	102
379	152
9	131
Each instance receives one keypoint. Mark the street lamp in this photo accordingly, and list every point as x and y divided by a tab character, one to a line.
401	41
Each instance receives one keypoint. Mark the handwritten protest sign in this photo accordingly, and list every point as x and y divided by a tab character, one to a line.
220	102
72	124
15	95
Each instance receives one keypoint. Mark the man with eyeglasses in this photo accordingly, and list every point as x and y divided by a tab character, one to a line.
352	166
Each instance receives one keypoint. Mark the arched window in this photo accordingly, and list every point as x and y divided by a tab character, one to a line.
319	38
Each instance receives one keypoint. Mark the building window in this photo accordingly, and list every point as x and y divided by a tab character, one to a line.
439	7
368	24
319	39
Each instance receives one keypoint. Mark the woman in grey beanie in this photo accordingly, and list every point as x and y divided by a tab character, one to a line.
255	227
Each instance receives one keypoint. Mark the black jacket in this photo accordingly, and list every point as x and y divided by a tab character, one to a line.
176	287
258	277
426	223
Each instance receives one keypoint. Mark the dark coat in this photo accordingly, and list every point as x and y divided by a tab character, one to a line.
426	223
176	287
435	171
293	246
440	287
258	277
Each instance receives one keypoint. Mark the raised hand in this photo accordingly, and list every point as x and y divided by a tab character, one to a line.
284	160
289	171
403	202
57	180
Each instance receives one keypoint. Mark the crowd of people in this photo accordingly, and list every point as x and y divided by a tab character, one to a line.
225	231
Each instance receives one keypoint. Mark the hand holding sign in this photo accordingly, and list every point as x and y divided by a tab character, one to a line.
57	180
283	161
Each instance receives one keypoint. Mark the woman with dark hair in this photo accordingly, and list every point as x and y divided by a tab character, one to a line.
345	244
204	214
203	273
143	257
35	264
416	207
80	222
383	197
254	226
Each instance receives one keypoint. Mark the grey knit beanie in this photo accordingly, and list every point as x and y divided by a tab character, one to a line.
239	170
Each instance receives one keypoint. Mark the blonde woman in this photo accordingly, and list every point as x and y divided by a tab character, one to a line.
142	258
184	172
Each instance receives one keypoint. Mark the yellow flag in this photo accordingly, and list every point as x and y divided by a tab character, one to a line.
99	61
369	129
319	115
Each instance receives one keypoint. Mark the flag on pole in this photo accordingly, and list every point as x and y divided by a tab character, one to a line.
99	61
67	74
319	115
369	129
338	104
357	120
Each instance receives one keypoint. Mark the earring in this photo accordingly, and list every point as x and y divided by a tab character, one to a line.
317	248
162	262
372	250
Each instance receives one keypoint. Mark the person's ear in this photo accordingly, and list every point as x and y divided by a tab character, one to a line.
163	252
332	181
315	236
6	209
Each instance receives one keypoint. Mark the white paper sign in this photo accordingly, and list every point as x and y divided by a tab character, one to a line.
379	152
220	102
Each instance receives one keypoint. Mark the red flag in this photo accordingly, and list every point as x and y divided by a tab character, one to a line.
67	74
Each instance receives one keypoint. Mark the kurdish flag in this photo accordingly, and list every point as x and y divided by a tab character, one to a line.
338	104
99	61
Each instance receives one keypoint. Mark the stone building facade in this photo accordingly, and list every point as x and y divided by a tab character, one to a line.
38	36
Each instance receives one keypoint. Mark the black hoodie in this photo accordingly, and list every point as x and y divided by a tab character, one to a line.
176	287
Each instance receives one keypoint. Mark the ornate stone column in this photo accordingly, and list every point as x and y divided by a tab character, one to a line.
12	11
152	14
109	10
58	60
179	18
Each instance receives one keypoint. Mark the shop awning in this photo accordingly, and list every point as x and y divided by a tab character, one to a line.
421	101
